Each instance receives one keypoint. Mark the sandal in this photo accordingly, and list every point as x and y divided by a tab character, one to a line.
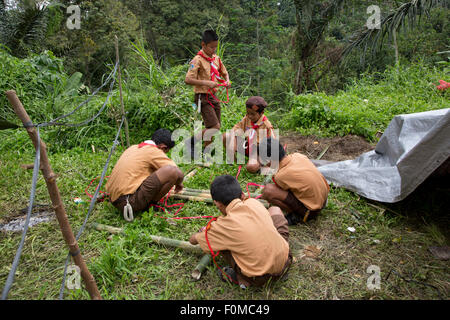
230	272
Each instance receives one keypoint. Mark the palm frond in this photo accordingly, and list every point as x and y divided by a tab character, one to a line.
408	12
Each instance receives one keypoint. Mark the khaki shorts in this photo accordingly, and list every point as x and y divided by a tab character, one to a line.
210	115
143	197
298	208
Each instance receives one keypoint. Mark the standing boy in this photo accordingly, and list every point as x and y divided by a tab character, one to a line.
256	126
144	174
300	189
206	72
252	239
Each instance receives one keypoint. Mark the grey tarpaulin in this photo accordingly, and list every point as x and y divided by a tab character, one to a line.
411	148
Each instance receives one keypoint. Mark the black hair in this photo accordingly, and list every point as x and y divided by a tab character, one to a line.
225	189
267	144
209	36
163	136
256	101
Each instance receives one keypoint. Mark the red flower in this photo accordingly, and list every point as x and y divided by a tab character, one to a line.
443	85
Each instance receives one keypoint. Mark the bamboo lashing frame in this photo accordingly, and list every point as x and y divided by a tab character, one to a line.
60	212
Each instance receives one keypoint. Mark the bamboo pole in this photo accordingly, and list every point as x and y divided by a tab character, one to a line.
200	198
199	268
322	153
50	180
208	193
190	175
127	135
191	198
185	245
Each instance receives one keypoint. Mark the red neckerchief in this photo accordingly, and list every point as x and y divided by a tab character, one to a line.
214	71
147	143
256	126
215	76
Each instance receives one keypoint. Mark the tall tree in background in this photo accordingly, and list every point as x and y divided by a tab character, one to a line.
24	28
312	19
91	48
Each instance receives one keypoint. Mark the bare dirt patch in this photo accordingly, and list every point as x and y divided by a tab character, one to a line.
337	148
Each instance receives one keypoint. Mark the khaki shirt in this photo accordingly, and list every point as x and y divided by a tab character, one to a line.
299	175
200	69
248	232
133	167
246	124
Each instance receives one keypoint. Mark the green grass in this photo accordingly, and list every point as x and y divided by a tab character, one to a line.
131	267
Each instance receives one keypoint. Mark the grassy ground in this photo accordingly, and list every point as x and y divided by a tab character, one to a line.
394	238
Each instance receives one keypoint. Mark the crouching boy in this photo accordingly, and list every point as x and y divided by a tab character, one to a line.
252	239
256	126
300	189
144	174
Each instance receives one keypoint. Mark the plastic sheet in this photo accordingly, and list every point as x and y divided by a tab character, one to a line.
412	147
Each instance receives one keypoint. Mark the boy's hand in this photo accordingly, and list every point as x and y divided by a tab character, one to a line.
211	84
193	239
178	188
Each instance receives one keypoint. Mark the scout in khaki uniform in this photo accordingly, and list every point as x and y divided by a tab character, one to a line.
206	72
252	239
144	174
254	126
300	189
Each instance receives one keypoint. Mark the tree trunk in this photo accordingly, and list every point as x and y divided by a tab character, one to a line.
312	19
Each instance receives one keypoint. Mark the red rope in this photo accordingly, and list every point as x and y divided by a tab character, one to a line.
215	98
181	205
214	255
90	195
239	172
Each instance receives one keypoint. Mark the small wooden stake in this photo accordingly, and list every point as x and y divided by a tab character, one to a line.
127	135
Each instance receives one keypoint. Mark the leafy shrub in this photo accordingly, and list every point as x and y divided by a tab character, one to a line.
367	105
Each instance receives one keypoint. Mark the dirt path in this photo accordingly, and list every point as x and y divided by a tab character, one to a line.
339	148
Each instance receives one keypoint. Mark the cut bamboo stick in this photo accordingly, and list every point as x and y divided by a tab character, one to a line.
185	245
191	198
201	266
204	199
322	153
190	174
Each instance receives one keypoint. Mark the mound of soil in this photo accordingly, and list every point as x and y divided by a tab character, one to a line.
337	148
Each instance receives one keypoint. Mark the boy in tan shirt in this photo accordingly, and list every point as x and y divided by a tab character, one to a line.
255	126
206	72
252	239
144	174
300	189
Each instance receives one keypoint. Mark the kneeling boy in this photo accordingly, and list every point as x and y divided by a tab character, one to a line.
256	126
252	239
300	189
